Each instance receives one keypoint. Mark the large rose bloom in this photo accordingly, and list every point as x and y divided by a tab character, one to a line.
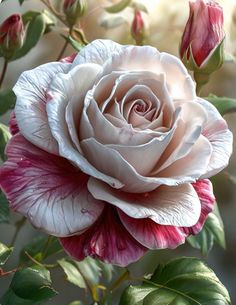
112	150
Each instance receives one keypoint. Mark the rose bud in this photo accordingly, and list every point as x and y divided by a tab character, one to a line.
74	9
138	27
11	35
201	47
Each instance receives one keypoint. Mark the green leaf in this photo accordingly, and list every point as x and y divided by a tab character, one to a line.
7	100
35	29
29	286
4	138
21	1
91	269
118	7
5	252
4	209
74	43
72	273
213	231
107	270
40	248
223	104
135	294
87	272
76	303
185	281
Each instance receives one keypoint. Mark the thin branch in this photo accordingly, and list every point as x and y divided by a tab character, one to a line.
4	70
19	224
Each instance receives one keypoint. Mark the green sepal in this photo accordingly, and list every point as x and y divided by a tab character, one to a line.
212	63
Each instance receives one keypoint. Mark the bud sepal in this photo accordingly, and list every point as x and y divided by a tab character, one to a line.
211	63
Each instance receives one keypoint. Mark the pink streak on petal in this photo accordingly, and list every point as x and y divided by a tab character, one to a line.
47	189
13	126
151	234
205	193
156	236
106	240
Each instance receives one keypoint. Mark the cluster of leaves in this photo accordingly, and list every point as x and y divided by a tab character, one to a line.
31	283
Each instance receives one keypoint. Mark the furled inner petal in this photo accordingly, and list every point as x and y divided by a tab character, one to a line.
47	189
128	82
179	83
95	124
192	118
140	106
193	165
111	159
176	205
111	163
63	89
143	157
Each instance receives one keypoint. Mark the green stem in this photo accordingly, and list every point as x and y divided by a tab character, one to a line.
4	70
48	4
201	80
19	224
62	50
124	277
64	46
86	282
199	89
79	32
45	248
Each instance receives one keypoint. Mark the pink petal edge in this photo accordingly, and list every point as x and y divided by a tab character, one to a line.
155	236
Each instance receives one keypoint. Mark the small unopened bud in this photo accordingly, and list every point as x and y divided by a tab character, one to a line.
12	35
74	9
201	47
138	28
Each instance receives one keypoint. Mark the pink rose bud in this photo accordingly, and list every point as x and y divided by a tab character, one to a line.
201	47
11	35
74	9
138	27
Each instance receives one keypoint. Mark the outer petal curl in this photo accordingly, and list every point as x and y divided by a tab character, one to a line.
221	139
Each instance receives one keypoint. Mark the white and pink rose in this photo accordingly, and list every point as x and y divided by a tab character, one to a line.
112	151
